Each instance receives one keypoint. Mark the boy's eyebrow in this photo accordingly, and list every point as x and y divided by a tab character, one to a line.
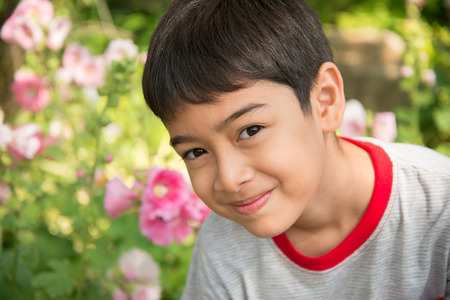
179	139
237	114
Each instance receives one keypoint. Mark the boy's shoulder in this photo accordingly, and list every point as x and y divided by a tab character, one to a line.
415	157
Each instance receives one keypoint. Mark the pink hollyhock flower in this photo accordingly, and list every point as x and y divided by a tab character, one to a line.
119	49
40	11
80	173
429	76
166	192
6	32
64	75
119	294
73	56
354	120
6	135
195	210
160	231
30	91
384	126
27	33
406	71
147	293
90	72
27	141
109	158
58	30
118	198
138	266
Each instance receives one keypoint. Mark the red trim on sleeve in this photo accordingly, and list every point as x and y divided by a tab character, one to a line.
366	226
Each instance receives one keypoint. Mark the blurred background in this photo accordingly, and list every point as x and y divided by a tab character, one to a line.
58	241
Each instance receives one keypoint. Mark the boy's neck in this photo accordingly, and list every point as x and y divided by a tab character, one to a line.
340	203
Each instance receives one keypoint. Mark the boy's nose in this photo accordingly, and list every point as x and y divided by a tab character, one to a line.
232	172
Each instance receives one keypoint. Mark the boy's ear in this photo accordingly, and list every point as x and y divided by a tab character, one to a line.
328	97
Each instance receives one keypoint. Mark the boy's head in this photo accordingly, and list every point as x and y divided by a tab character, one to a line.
203	48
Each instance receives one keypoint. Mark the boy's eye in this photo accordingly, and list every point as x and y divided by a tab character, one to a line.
249	131
194	153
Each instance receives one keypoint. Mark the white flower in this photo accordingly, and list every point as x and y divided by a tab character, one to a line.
27	141
58	30
385	126
354	120
5	135
147	293
119	49
111	132
138	266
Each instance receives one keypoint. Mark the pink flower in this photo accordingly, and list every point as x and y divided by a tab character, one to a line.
27	141
384	126
195	210
119	294
80	173
73	56
27	33
354	120
30	91
7	29
147	293
406	71
138	266
166	192
109	158
160	231
118	198
90	72
6	135
58	30
169	207
37	11
64	75
119	49
41	10
429	76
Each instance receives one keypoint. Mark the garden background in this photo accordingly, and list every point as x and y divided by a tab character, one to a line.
93	202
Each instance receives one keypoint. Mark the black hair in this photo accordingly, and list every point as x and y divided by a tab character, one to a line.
202	48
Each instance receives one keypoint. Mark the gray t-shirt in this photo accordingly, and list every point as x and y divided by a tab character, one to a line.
399	250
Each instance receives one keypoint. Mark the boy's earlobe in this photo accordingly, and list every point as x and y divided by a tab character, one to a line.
329	97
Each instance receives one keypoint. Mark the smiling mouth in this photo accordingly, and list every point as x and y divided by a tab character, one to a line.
249	207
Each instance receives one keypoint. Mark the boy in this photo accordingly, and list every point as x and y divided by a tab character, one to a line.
251	99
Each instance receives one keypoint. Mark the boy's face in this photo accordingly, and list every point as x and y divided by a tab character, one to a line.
253	156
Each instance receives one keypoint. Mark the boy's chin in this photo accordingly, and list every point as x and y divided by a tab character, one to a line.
265	233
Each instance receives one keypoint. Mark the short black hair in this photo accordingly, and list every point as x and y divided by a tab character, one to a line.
202	48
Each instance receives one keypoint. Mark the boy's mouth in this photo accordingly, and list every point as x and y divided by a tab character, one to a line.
252	205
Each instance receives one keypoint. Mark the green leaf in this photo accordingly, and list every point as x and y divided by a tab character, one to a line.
8	222
58	281
113	100
442	118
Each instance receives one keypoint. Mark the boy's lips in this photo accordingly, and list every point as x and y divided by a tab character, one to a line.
251	205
